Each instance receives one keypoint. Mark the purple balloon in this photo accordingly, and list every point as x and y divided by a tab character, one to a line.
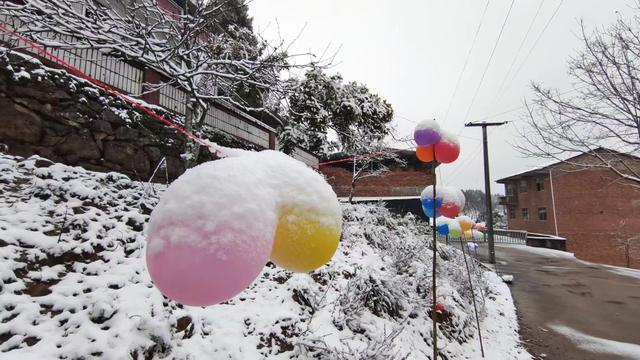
426	137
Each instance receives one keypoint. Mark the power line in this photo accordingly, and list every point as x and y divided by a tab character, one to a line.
526	36
522	106
484	73
466	61
536	43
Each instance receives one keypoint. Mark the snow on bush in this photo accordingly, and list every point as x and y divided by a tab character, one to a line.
74	284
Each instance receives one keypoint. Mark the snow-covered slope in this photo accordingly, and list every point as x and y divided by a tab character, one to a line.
73	284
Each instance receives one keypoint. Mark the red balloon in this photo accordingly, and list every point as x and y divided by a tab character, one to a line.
424	153
447	151
449	209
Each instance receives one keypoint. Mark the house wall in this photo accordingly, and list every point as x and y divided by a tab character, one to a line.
594	213
532	200
400	181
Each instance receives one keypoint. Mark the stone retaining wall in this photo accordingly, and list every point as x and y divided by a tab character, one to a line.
47	112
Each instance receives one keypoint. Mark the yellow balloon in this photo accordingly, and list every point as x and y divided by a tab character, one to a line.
303	241
468	234
465	222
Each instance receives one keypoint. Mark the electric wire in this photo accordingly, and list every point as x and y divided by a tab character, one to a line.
515	58
546	26
466	62
493	51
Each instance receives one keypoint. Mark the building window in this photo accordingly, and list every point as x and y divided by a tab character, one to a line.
542	213
523	185
509	189
539	184
512	212
525	214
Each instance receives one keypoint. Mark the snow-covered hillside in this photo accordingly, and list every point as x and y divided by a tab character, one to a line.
74	284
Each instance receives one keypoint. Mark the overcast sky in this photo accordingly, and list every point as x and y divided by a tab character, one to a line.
411	52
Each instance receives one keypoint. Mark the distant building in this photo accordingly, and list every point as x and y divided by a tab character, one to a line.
592	208
400	187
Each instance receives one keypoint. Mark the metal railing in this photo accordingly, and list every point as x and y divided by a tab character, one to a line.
506	236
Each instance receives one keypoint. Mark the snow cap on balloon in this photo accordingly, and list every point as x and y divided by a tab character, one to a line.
427	133
427	200
447	149
451	203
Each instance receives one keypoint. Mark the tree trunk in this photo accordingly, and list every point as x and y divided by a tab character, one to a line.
353	190
193	119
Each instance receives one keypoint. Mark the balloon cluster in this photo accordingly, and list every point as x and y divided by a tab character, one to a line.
449	202
219	223
435	143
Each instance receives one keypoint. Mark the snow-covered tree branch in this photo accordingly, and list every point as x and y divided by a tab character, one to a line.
199	50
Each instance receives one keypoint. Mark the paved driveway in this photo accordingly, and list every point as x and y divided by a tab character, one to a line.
569	309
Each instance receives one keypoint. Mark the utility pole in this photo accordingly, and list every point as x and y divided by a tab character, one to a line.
487	184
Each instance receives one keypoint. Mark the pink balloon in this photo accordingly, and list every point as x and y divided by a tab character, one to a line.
449	209
211	267
447	151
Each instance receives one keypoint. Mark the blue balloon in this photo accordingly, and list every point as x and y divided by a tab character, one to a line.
443	229
428	202
428	210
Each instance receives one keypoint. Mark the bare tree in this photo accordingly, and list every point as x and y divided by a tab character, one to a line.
602	114
374	162
627	243
188	48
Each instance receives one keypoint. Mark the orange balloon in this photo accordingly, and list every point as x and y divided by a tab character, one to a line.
424	153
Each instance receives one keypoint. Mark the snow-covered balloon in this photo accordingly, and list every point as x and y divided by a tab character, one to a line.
448	201
447	149
427	133
219	223
465	222
442	225
477	235
455	231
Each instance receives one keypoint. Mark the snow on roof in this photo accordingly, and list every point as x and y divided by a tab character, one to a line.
554	162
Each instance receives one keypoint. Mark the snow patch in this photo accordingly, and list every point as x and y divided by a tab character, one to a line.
598	345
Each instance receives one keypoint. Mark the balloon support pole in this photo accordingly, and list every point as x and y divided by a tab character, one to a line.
434	317
473	295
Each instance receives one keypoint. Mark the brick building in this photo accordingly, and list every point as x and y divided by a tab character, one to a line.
399	188
402	180
590	207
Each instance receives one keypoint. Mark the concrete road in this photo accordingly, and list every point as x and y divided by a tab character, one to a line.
570	309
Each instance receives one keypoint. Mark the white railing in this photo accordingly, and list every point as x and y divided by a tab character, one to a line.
232	125
173	99
128	78
304	156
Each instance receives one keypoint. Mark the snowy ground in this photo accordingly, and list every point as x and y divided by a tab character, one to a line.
74	284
